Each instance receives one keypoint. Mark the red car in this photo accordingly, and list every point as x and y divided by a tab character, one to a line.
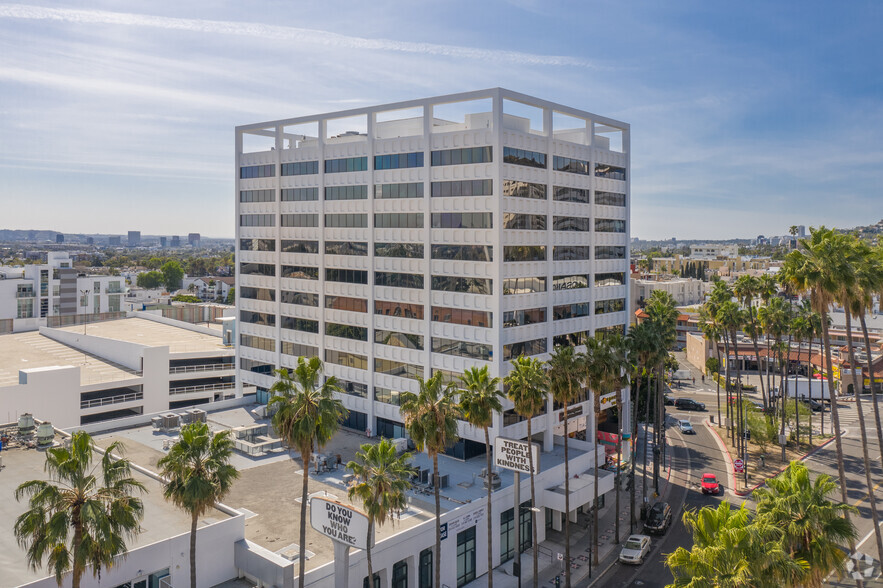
710	485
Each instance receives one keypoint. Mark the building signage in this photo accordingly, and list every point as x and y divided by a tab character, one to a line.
572	412
342	523
511	454
470	519
443	531
608	400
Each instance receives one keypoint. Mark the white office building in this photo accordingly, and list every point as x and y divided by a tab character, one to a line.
431	235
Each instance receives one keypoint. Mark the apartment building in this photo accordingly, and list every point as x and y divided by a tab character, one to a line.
54	294
430	236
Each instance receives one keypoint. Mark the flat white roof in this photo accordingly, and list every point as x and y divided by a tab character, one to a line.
152	334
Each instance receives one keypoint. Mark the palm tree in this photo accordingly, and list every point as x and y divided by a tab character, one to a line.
307	415
619	359
83	514
774	318
814	526
800	328
746	288
431	419
527	384
820	267
480	396
198	474
663	315
712	332
767	287
382	479
869	282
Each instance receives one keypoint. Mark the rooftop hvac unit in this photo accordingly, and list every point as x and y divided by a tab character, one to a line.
194	415
170	421
443	481
26	424
156	422
424	476
45	434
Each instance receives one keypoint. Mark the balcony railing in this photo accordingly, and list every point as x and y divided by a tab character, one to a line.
112	400
112	290
208	367
25	294
202	388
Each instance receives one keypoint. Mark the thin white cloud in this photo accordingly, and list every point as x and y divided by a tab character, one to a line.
283	33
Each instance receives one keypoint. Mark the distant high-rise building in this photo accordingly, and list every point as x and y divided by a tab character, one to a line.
176	241
801	231
162	242
193	239
90	241
134	238
59	238
114	241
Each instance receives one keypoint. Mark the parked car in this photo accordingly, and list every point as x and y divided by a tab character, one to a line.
658	519
710	485
814	405
689	404
686	428
635	549
668	400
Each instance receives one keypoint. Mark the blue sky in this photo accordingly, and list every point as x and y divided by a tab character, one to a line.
746	118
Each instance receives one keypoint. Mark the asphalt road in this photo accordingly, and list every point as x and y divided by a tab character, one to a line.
692	456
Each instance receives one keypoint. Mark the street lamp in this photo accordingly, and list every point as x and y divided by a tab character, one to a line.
85	295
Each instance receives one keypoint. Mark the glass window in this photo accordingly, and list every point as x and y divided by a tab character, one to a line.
258	269
518	318
604	170
570	339
526	222
257	220
257	195
462	348
462	316
607	225
526	348
610	279
346	276
569	165
570	252
398	368
347	164
609	198
398	160
358	421
257	245
398	220
463	188
570	223
528	285
462	220
346	192
298	350
292	246
395	339
391	429
300	272
346	331
609	252
353	388
357	221
507	535
256	342
524	157
463	156
524	253
376	581
257	293
410	250
517	189
400	569
300	220
343	358
411	190
255	318
463	252
424	571
346	303
257	367
257	171
300	168
300	324
387	396
299	194
465	556
402	309
605	306
565	194
568	311
467	285
397	280
570	282
346	248
302	298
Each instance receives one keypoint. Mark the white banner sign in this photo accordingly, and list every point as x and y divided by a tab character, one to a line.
511	454
342	523
468	520
608	400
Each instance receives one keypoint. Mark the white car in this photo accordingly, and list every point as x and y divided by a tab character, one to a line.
686	428
635	549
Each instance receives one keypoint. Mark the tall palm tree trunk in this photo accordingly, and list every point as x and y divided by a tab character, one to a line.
740	424
77	572
194	519
796	400
490	520
835	417
809	377
657	426
784	398
566	503
727	388
863	428
634	431
717	380
757	358
595	501
368	553
871	381
646	438
617	479
533	499
437	519
304	494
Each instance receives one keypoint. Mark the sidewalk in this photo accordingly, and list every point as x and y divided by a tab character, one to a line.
581	538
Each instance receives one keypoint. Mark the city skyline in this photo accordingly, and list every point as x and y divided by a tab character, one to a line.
764	118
